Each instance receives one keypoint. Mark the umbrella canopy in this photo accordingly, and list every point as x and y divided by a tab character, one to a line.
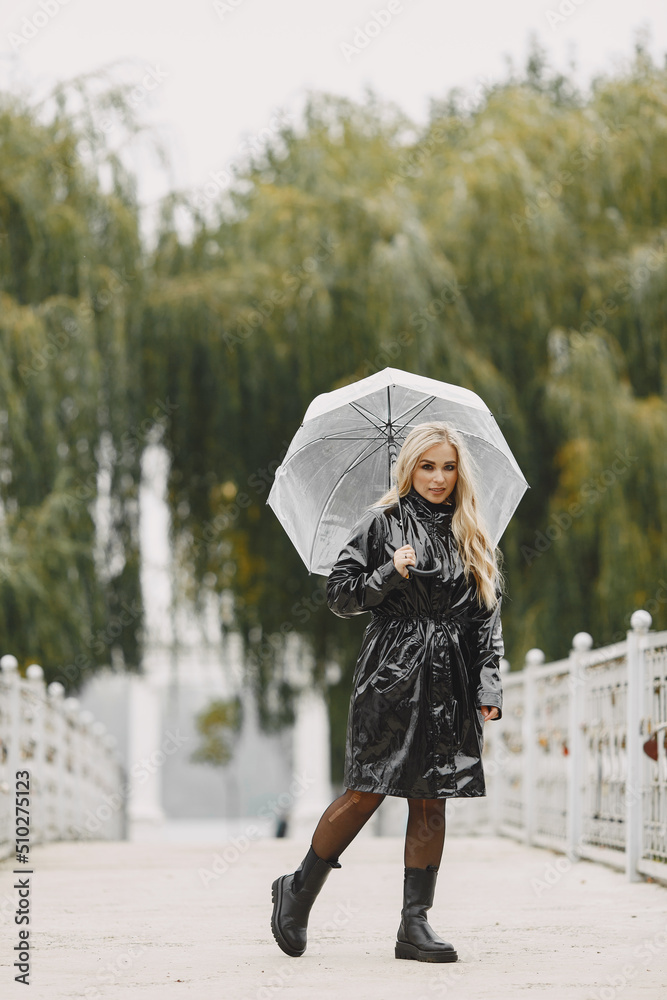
339	461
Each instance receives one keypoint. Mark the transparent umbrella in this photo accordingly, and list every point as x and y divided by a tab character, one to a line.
339	461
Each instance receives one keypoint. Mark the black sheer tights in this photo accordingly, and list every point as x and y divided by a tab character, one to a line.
342	821
425	835
344	818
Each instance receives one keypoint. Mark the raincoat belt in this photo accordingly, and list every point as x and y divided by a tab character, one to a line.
436	617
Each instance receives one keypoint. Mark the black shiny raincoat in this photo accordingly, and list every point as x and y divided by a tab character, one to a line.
428	661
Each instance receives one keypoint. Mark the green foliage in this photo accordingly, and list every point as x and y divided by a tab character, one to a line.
514	245
217	726
70	279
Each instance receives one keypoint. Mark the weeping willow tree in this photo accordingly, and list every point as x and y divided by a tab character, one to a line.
606	518
317	275
355	241
552	208
70	296
514	245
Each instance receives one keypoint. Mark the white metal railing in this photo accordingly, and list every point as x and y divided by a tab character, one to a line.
580	753
75	775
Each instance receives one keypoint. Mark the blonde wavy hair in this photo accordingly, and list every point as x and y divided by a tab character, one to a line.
480	559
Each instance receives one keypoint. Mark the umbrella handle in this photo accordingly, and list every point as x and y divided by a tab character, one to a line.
425	572
413	569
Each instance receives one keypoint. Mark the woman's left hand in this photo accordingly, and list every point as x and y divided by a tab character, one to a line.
489	712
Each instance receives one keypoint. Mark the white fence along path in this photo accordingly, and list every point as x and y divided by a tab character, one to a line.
578	763
75	775
579	759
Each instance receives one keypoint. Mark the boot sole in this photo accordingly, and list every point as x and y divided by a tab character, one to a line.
277	898
405	950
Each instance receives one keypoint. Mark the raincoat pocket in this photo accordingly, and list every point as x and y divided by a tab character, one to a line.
399	668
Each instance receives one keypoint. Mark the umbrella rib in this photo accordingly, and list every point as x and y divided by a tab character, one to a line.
508	457
378	432
324	437
422	406
357	461
335	437
344	437
370	417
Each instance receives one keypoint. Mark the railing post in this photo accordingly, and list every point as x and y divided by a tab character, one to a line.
9	666
497	784
36	694
58	769
86	773
533	662
97	731
581	643
72	771
640	624
71	708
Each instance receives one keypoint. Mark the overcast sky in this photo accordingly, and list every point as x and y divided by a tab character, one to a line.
212	73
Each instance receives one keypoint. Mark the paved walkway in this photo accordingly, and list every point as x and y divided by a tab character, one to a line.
138	921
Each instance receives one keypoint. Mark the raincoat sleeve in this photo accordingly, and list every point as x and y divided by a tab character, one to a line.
487	652
364	572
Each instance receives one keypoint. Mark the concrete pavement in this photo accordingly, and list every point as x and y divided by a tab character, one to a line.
173	921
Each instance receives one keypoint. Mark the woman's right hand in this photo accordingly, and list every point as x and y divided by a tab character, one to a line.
403	558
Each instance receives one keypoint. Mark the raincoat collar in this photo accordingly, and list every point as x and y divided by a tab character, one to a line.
426	507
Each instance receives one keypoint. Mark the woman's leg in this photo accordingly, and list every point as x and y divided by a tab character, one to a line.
425	834
424	841
293	895
342	821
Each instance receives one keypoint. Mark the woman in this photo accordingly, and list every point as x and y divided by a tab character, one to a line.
427	679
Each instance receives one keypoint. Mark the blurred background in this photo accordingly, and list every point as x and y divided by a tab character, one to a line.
208	217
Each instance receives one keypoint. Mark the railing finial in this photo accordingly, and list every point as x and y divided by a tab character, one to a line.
641	621
582	642
534	657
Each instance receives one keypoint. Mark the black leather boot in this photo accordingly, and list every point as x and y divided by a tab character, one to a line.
293	896
416	938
